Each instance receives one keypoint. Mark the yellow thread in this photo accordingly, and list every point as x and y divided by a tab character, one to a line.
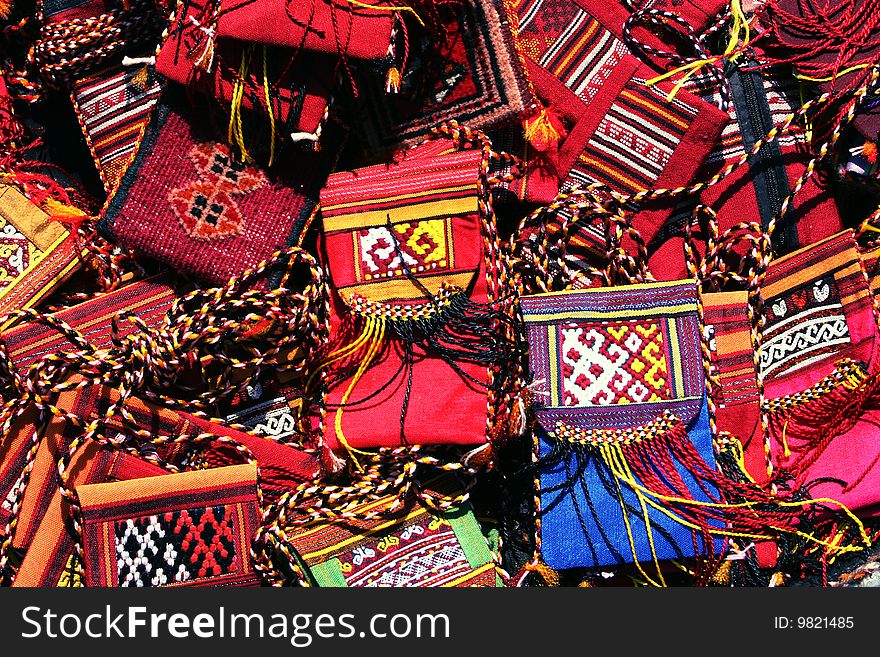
849	69
616	450
381	8
236	131
375	334
740	30
269	106
785	450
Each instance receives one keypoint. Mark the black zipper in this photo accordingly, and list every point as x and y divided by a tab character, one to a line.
769	178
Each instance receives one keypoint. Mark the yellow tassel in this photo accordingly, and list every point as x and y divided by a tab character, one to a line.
392	81
141	79
5	8
269	106
375	334
778	579
550	576
236	130
721	577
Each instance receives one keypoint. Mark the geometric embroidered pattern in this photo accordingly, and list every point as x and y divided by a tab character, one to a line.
613	363
176	546
423	244
423	554
803	326
15	253
206	207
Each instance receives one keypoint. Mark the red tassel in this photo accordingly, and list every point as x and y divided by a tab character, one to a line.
5	8
806	428
544	130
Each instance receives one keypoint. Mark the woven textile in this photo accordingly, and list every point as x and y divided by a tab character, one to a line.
480	82
299	86
187	529
206	213
415	547
36	254
821	311
48	559
755	192
613	359
391	237
331	27
621	132
114	108
148	300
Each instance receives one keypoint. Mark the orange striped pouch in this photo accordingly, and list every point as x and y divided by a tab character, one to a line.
186	529
49	558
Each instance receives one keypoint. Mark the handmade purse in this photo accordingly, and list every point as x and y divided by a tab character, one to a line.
819	362
187	529
622	422
383	543
418	276
206	213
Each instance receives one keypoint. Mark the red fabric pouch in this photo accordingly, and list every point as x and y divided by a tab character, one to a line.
299	85
330	27
406	248
820	363
187	202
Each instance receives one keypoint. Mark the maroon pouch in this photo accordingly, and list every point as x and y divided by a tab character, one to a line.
187	202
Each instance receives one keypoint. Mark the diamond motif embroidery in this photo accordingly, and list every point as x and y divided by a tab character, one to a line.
176	546
422	244
616	363
206	207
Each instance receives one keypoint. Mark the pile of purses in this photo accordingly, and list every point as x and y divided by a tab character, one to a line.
449	293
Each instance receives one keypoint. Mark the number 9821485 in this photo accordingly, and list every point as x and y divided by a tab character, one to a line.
824	622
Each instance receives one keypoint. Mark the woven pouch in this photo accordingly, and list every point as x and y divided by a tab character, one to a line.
819	361
186	529
618	378
205	213
416	273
